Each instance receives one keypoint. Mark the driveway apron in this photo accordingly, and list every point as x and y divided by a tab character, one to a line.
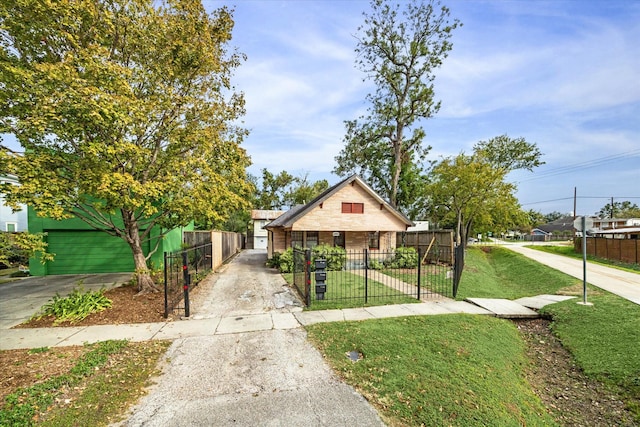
265	378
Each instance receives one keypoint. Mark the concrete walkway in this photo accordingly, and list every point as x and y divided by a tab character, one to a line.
622	283
237	323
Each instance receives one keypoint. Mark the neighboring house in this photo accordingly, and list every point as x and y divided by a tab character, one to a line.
615	223
261	218
619	233
80	249
349	214
560	227
9	220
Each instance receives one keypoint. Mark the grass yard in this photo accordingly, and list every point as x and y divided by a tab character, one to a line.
106	377
496	272
461	370
347	290
467	370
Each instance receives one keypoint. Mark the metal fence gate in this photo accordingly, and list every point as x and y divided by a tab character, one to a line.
379	277
183	270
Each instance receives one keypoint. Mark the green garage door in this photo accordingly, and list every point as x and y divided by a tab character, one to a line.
80	252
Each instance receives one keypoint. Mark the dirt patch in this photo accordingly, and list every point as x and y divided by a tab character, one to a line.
569	395
126	307
24	368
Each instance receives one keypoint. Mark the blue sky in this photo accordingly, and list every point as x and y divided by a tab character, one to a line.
562	74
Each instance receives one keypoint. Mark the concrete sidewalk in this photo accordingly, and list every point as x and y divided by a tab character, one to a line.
235	324
622	283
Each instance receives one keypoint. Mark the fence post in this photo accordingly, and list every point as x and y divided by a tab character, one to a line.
307	276
366	275
185	278
419	273
166	288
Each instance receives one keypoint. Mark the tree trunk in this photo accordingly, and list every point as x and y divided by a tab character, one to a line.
397	167
142	273
459	229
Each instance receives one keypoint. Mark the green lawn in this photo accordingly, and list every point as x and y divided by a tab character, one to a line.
347	290
461	370
468	370
496	272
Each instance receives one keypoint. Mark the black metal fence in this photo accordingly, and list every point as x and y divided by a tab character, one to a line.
182	271
377	277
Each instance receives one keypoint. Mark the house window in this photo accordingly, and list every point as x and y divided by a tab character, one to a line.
374	240
11	227
296	239
312	239
355	208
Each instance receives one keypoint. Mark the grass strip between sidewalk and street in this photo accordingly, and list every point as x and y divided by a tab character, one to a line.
103	382
436	370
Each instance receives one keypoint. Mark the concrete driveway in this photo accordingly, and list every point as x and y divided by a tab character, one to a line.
21	299
261	378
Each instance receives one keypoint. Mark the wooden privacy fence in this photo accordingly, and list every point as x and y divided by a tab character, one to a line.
223	244
624	250
433	244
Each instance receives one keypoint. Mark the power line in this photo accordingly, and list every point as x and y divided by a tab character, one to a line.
579	197
583	165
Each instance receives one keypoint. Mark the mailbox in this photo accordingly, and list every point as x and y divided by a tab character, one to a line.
321	277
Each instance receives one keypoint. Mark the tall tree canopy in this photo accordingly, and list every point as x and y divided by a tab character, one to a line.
286	190
400	46
126	113
624	209
472	191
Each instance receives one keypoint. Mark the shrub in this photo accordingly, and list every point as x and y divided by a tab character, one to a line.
285	261
75	307
405	258
374	264
274	261
336	256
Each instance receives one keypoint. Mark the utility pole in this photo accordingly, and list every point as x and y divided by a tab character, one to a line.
612	210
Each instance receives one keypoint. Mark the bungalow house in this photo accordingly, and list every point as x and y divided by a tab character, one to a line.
350	215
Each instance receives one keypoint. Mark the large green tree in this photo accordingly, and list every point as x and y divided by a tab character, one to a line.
283	189
400	45
126	113
624	209
472	191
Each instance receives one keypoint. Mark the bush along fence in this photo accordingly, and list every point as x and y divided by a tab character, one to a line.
328	275
184	269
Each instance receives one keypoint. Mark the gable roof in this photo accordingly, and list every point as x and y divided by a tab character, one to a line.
288	218
561	224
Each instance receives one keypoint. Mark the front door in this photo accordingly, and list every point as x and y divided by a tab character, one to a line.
338	239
